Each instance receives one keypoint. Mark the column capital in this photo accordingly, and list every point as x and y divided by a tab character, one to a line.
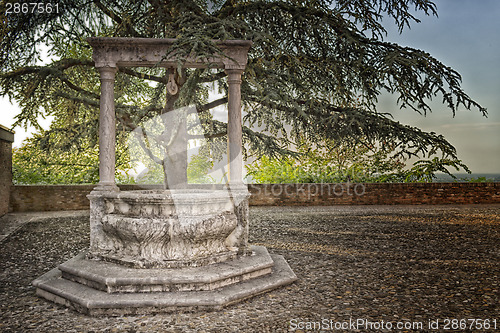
233	75
233	70
107	73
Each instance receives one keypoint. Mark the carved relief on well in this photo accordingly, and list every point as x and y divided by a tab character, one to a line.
172	228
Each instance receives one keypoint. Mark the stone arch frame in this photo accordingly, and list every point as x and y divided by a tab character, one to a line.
110	53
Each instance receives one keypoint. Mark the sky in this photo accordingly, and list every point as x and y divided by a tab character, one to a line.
464	37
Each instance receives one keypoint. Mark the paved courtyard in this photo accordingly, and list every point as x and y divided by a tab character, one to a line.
360	268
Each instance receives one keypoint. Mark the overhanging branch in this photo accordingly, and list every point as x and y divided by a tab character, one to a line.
211	105
143	75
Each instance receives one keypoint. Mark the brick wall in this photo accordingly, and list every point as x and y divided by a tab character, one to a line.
24	198
71	197
375	194
6	139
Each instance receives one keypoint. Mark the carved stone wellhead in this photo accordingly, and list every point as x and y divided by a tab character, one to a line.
168	250
165	228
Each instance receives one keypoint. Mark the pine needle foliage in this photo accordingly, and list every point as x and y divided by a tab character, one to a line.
315	70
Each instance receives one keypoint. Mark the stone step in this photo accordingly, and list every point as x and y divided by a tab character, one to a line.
96	302
111	277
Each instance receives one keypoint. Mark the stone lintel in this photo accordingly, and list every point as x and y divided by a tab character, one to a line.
148	52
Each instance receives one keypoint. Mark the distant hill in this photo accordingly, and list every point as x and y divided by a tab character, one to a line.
464	177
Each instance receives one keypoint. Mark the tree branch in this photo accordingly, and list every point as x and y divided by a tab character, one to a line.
58	65
212	77
211	136
108	12
142	75
79	89
146	149
116	18
211	105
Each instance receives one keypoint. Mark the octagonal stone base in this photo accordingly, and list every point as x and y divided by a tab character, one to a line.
161	251
103	288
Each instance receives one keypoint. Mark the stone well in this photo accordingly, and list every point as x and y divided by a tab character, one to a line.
165	228
171	250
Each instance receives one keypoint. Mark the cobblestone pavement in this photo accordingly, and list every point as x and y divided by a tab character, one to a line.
372	266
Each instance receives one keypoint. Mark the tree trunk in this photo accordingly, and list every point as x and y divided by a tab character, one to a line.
175	161
165	177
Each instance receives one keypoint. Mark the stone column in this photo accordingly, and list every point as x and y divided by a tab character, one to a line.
234	128
107	130
239	191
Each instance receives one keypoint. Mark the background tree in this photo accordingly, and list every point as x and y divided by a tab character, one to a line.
35	164
328	163
354	162
314	72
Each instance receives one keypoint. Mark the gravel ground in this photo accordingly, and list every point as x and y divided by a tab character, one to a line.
371	264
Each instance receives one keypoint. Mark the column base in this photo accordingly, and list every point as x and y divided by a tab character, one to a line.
106	187
237	187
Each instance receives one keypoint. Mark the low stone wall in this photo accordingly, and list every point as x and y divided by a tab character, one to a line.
73	197
374	194
25	198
